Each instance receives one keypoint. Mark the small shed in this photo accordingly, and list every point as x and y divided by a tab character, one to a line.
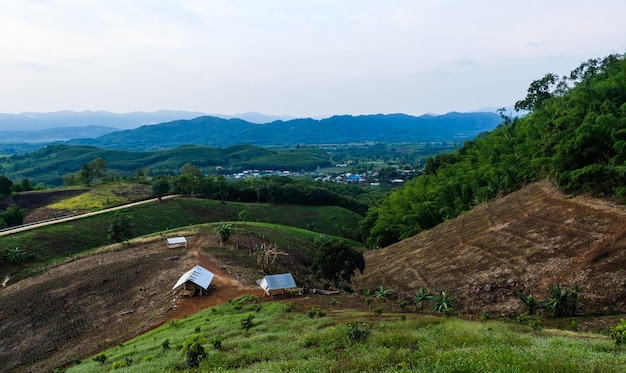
195	281
176	242
277	284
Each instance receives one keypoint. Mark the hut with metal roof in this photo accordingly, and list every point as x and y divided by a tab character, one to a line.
176	242
196	281
277	284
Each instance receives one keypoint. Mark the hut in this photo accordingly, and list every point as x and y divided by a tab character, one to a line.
195	281
277	284
176	242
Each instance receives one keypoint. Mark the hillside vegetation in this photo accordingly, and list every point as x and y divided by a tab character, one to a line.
340	129
574	135
48	165
43	245
287	336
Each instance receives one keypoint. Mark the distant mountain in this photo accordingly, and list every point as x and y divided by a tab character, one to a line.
254	117
38	121
344	129
54	134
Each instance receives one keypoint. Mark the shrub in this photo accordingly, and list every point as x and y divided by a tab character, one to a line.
316	311
166	344
402	303
100	358
246	322
217	342
377	311
618	333
193	351
357	334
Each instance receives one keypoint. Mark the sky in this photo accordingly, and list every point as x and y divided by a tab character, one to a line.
293	57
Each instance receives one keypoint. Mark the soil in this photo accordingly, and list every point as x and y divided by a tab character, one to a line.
76	309
526	241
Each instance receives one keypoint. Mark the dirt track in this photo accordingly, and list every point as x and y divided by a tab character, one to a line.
70	218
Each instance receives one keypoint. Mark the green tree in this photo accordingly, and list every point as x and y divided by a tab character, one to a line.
382	294
120	228
421	297
336	262
160	186
6	186
443	302
13	216
529	301
225	231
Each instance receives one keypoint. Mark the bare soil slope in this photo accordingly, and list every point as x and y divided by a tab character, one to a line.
525	241
79	308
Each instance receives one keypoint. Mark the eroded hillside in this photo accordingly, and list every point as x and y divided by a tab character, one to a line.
525	241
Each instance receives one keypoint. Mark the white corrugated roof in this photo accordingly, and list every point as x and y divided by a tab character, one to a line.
198	275
280	281
176	240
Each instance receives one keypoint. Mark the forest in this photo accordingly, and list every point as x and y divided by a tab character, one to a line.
573	133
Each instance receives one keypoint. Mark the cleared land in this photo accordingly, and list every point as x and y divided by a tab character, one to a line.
525	241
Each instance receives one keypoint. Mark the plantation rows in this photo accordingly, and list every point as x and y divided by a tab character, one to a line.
58	315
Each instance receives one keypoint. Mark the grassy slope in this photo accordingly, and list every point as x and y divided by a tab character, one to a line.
284	338
59	241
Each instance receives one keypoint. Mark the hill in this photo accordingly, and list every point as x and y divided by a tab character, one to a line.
526	241
35	121
218	132
48	165
90	303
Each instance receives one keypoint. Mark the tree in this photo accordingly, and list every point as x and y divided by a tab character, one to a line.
92	170
160	187
6	186
225	231
382	294
443	302
420	297
529	301
13	216
119	228
538	92
336	262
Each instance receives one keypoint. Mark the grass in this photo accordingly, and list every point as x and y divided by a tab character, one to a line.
97	198
60	241
283	338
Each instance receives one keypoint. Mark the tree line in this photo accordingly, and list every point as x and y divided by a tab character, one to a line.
573	133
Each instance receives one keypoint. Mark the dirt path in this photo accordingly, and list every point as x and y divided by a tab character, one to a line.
70	218
223	288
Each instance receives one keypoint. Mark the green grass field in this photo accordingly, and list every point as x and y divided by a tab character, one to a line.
61	241
283	337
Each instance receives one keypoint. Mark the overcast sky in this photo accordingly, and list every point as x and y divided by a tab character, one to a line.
301	58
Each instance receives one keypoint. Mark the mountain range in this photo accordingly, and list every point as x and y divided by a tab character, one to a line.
345	129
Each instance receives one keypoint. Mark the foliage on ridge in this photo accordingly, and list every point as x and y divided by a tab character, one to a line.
574	134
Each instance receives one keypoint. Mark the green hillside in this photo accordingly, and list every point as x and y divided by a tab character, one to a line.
48	165
63	240
574	135
285	336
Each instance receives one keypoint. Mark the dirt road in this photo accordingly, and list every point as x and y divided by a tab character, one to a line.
75	217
